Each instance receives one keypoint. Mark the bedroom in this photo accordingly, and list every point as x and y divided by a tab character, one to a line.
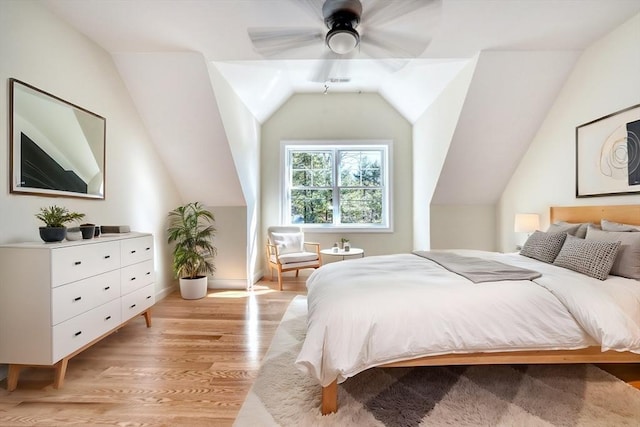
60	59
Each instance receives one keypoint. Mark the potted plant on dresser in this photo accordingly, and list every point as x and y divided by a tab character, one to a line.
55	218
191	229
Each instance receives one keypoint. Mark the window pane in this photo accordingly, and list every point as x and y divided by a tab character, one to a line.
361	206
360	168
300	178
311	169
321	178
311	207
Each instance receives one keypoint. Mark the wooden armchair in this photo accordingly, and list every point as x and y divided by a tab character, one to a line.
287	251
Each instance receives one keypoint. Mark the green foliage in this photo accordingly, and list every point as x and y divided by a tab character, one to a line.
359	189
191	229
57	216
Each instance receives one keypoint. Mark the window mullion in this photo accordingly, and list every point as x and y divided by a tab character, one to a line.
336	188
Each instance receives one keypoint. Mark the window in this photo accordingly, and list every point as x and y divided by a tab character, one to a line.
332	186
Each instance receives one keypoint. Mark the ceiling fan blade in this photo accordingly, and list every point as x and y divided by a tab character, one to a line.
331	63
272	41
384	11
379	43
313	7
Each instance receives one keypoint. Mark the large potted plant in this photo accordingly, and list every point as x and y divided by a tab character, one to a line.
191	229
55	218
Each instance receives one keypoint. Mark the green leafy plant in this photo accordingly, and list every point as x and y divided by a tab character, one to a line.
344	240
191	229
57	216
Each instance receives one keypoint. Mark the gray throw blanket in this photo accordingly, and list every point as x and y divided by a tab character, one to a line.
477	269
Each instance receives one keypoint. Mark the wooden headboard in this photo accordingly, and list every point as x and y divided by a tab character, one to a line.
628	214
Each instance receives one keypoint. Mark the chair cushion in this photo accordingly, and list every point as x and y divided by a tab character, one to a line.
288	243
298	257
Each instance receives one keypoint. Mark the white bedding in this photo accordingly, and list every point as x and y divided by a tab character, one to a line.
375	310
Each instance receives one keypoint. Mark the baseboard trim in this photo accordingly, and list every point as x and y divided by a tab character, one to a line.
163	293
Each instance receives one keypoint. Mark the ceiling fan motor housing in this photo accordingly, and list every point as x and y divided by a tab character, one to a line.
342	17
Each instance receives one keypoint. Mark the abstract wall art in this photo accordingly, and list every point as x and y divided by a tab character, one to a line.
608	155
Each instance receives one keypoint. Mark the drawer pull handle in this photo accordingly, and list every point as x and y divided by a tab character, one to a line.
77	333
77	263
148	296
148	273
107	318
133	252
107	256
106	288
77	298
132	279
147	249
132	305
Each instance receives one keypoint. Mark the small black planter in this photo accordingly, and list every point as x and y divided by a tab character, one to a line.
87	230
53	234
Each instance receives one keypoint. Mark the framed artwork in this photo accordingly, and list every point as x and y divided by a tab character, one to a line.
608	155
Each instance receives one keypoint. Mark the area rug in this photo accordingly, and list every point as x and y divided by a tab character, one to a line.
507	395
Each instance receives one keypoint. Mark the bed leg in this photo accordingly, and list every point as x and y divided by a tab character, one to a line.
330	398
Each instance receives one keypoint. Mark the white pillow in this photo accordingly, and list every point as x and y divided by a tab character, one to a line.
288	243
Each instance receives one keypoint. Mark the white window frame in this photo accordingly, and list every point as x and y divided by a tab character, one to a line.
387	203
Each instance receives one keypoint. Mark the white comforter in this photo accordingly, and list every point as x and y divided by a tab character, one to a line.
376	310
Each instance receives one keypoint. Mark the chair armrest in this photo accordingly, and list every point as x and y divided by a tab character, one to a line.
273	249
316	244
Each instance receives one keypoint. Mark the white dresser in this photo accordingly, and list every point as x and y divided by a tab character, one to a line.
57	299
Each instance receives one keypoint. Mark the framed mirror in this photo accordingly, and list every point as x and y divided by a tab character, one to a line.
57	148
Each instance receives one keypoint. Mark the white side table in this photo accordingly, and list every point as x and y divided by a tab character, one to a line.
342	253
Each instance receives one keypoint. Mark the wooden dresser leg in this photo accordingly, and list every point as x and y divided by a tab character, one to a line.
61	370
330	398
12	377
147	317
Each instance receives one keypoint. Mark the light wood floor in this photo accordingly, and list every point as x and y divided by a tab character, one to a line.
194	367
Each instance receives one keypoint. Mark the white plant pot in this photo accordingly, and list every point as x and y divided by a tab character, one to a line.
193	288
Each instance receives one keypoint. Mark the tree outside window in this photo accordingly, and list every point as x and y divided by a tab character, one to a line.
336	185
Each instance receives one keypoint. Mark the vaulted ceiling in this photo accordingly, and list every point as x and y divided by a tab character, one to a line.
164	49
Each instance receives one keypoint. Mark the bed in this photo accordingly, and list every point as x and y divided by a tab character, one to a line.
354	323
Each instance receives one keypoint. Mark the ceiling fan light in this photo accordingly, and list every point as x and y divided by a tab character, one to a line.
342	41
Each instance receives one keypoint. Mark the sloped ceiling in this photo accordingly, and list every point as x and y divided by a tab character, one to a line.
162	49
506	102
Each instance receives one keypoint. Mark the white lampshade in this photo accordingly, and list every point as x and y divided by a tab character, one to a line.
526	223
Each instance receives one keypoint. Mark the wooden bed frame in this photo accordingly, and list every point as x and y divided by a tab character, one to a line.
628	214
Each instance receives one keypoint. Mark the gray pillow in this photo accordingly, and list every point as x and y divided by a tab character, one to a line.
564	227
543	246
627	263
616	226
589	257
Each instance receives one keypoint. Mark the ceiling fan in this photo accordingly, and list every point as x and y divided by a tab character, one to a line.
350	28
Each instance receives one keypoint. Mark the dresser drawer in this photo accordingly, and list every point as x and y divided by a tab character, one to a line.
77	332
69	300
138	301
135	250
78	262
136	276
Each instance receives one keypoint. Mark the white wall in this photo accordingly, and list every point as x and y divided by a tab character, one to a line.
39	49
243	133
432	134
341	116
463	227
605	79
231	242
